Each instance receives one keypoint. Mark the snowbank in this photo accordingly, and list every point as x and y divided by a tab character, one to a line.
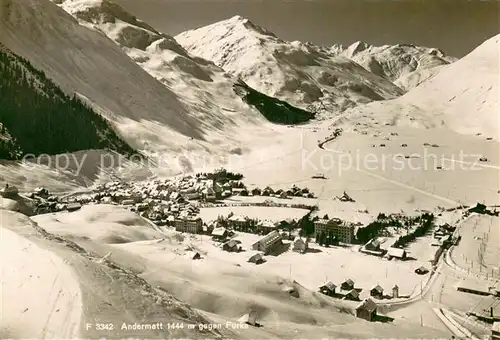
101	223
40	296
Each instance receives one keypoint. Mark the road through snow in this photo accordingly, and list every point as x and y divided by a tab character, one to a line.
40	297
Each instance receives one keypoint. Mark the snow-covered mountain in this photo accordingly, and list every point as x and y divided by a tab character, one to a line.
86	62
300	73
204	87
463	96
405	65
37	117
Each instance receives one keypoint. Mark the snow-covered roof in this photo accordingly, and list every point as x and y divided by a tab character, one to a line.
267	224
330	285
349	282
353	293
231	243
367	304
396	252
271	236
218	232
237	218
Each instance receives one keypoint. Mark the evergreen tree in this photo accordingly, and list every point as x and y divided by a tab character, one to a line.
44	120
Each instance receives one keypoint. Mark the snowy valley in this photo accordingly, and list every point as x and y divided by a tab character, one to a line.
226	183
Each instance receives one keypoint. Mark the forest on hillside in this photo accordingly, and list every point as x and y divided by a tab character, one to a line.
273	109
40	118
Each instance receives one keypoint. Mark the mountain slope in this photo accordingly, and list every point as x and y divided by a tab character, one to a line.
88	63
301	74
202	86
405	65
463	96
41	119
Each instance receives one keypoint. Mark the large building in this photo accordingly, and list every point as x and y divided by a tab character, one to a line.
343	231
189	225
269	241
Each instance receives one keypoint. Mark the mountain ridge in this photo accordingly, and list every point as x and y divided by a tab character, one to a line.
462	96
300	73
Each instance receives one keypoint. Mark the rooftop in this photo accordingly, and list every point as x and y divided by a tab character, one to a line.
367	304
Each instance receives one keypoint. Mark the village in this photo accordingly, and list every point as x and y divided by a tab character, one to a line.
265	238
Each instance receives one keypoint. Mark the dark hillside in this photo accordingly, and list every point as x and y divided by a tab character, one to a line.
38	118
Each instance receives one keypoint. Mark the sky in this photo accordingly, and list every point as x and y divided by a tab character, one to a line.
454	26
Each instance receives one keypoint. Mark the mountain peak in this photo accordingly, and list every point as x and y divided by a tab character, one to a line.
238	22
238	18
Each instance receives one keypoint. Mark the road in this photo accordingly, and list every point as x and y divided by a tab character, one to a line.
441	296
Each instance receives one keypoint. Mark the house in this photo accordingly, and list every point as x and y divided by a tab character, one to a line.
268	191
9	191
170	220
367	310
268	242
287	223
218	189
421	270
328	289
347	285
237	191
219	234
300	245
41	191
250	319
209	195
73	206
238	222
196	256
395	292
192	195
473	287
445	240
266	226
439	233
377	291
231	246
127	202
397	253
256	192
373	245
352	295
345	198
283	194
257	259
495	331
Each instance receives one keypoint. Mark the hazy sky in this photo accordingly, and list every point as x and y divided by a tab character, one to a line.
454	26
